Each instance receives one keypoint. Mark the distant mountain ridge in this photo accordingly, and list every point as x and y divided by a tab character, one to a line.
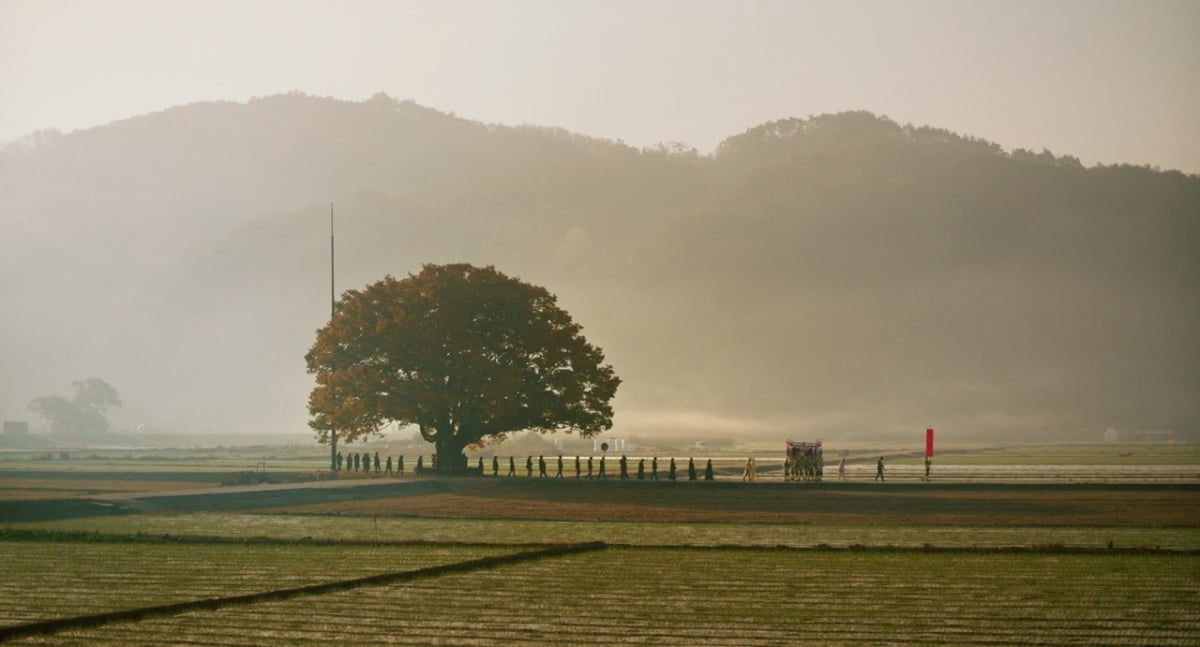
838	276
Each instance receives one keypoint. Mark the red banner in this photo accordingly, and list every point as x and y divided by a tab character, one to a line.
928	443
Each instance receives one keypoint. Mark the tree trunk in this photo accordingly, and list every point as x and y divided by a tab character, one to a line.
333	466
450	458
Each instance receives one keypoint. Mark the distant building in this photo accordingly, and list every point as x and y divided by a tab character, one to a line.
15	428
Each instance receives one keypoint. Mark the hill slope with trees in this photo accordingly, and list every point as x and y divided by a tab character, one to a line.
838	276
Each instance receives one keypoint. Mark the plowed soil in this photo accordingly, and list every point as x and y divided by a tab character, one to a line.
866	503
957	504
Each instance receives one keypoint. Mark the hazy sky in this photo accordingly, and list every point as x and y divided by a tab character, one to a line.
1105	81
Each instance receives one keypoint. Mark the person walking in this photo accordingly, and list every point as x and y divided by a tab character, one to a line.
577	467
842	469
641	473
389	465
529	467
603	474
624	468
654	469
512	466
928	463
671	470
377	462
691	469
589	474
879	469
541	466
708	472
558	471
495	465
400	465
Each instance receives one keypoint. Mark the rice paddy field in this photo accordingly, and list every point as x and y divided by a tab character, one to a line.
1105	561
615	595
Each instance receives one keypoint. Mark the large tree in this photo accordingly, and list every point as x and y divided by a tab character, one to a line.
84	412
464	353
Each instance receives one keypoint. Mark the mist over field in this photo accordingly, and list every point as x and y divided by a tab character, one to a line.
839	275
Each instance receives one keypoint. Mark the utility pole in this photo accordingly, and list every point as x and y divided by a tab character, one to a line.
333	437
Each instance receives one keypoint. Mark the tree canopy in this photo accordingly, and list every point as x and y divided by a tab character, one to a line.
466	354
84	412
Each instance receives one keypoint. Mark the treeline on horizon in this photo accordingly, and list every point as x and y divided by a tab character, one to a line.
839	275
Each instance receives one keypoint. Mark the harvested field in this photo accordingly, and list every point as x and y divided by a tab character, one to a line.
350	528
726	597
49	579
708	563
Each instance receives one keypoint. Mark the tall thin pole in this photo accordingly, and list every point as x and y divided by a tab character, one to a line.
332	298
333	437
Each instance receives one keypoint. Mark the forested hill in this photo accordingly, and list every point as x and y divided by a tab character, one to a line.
839	276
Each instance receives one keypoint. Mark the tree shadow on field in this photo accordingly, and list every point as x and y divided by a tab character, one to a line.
55	509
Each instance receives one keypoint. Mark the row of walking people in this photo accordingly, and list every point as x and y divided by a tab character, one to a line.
588	469
365	463
361	462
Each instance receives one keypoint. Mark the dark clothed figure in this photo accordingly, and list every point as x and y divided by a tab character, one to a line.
339	461
400	465
691	469
879	469
654	469
603	474
576	465
624	468
541	467
671	470
357	462
420	466
495	466
558	472
512	466
589	468
641	473
928	462
377	470
389	465
708	473
480	466
528	466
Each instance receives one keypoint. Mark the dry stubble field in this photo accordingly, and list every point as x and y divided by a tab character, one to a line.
685	563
